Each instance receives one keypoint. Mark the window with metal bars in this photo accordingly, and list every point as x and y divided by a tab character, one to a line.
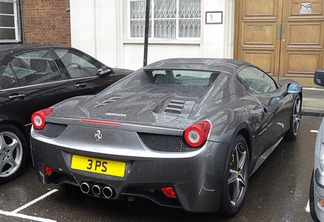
169	19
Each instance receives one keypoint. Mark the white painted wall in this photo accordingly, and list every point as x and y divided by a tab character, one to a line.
100	28
94	28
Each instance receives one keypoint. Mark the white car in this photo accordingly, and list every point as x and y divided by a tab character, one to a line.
316	191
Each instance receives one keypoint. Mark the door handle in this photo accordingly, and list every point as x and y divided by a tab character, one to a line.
17	96
80	85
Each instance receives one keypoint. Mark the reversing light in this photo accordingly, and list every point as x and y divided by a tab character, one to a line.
169	192
196	134
321	202
38	118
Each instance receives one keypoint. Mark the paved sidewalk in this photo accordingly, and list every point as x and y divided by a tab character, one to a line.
313	101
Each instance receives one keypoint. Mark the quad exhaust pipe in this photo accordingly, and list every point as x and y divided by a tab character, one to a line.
107	192
97	190
85	188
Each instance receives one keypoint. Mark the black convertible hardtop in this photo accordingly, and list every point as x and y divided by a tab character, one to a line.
207	64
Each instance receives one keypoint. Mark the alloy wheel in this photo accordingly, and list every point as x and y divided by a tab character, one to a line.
296	115
238	174
11	153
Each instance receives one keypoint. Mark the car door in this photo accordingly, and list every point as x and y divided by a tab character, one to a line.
270	98
31	81
87	75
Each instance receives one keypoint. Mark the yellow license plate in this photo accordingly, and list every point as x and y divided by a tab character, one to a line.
96	165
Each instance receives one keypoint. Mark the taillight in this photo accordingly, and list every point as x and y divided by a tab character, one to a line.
196	134
48	171
38	118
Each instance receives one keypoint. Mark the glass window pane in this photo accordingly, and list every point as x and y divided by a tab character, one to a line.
7	34
78	65
7	79
137	9
257	81
183	77
137	28
189	9
189	28
7	21
165	28
35	68
165	8
6	8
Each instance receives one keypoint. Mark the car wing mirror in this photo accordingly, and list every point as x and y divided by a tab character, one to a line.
294	88
319	77
104	72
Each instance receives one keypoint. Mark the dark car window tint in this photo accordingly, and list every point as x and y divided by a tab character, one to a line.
183	77
257	81
7	79
35	68
77	65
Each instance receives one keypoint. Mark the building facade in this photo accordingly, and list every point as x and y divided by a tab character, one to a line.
35	21
113	30
285	38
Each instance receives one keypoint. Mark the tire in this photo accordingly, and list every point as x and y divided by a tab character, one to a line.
236	177
295	119
312	200
14	151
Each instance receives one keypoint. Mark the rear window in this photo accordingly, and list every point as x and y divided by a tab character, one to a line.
182	77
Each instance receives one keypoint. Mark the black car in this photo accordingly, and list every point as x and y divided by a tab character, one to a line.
33	77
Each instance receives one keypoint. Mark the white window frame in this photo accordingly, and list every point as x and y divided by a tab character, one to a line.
16	26
177	39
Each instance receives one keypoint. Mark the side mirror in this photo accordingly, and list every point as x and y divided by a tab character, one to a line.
294	88
319	77
106	71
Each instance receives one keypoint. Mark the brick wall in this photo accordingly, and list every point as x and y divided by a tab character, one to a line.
46	22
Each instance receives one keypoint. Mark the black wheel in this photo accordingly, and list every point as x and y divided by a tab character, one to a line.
13	152
236	177
295	119
312	199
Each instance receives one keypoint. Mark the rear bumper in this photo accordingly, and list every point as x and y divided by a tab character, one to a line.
197	179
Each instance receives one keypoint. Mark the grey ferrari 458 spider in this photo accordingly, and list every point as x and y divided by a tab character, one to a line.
181	132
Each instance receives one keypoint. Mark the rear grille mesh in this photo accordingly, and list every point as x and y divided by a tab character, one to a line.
52	130
164	143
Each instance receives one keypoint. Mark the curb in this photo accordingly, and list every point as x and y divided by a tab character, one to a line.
313	102
311	112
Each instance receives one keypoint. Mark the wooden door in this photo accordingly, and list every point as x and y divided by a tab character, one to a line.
284	38
302	40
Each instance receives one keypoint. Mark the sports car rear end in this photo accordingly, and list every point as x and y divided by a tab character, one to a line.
131	142
113	160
